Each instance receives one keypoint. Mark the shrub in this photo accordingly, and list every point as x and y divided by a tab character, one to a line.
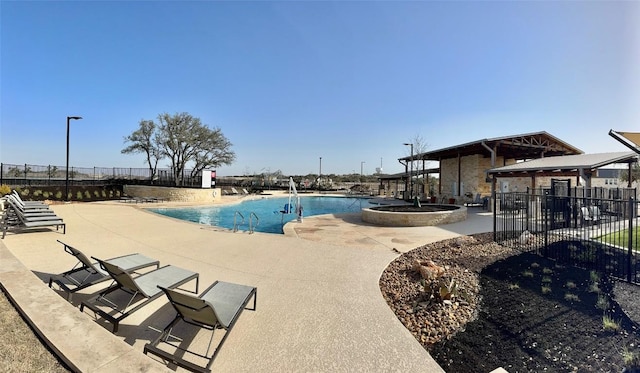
571	297
87	194
546	289
4	190
603	302
79	195
58	195
570	285
609	324
630	358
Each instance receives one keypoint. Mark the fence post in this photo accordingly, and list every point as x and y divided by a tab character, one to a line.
630	243
495	218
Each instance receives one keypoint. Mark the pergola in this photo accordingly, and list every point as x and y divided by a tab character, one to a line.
516	147
580	165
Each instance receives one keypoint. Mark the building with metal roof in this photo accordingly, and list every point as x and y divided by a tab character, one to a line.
582	166
463	168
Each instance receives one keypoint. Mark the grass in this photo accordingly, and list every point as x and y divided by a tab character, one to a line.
609	324
621	238
20	348
546	289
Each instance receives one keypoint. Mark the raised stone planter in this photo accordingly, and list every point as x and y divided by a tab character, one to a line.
442	214
174	194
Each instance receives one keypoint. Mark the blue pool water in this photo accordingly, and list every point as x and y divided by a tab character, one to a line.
268	211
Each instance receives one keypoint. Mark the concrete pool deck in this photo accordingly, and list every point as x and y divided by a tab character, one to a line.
319	306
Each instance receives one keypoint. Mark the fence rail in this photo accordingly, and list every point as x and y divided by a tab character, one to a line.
577	228
31	175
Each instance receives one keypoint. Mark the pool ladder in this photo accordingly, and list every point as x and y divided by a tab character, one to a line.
251	216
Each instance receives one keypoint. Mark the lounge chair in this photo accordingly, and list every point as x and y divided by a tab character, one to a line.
87	273
234	191
590	215
41	207
14	218
17	196
142	290
477	202
218	307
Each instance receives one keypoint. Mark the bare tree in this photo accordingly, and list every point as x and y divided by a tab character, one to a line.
142	141
183	139
419	146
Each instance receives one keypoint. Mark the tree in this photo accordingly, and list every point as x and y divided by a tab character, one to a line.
52	171
142	141
183	139
419	146
635	173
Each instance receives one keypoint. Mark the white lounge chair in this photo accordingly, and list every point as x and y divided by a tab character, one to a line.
14	217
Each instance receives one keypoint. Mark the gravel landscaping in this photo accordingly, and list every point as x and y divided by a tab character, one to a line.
514	310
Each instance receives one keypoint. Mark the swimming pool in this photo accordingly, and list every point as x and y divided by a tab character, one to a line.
268	211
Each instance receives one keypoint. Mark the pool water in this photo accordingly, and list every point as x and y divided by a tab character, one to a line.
268	210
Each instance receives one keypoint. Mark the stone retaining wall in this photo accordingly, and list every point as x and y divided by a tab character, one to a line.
174	194
413	219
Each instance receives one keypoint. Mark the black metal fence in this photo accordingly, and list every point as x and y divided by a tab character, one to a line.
595	229
50	175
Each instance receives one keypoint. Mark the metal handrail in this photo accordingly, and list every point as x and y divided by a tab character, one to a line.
235	222
250	221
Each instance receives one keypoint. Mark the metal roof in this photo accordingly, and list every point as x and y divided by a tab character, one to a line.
524	146
405	175
567	163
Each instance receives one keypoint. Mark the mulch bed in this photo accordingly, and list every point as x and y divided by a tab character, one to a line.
516	310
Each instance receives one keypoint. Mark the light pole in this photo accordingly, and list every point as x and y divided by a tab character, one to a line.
66	180
320	175
410	172
361	164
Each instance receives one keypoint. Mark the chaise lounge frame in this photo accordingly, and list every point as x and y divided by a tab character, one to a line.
15	218
145	287
218	307
93	274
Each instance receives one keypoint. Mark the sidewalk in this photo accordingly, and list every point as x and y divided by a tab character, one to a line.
319	306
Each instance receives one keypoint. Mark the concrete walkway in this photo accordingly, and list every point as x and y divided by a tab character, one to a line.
319	304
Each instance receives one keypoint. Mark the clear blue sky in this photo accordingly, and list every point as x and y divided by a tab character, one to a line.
289	82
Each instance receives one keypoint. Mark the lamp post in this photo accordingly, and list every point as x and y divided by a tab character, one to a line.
320	175
66	180
410	172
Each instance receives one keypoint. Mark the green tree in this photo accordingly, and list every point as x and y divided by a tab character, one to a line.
142	141
183	139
